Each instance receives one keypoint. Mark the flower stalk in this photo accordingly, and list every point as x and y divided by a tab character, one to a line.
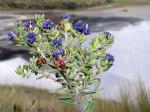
79	103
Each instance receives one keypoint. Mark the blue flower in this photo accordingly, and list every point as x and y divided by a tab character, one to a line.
31	37
12	36
57	42
109	57
87	30
28	23
81	27
58	52
47	24
66	16
107	34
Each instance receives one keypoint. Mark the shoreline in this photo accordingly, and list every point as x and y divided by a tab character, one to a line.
134	11
95	8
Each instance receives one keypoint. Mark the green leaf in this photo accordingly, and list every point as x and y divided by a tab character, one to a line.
68	100
93	62
54	33
82	38
89	107
96	80
95	43
87	93
68	26
69	65
20	70
36	30
32	64
70	39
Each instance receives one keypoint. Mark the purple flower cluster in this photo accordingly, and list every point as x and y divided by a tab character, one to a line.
66	16
28	23
31	37
81	27
47	24
58	52
107	34
12	36
57	42
109	57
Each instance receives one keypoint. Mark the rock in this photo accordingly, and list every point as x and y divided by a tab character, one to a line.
8	53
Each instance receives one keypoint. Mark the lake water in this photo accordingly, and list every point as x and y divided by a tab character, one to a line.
131	50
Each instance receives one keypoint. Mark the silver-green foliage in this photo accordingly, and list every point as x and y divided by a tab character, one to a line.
80	66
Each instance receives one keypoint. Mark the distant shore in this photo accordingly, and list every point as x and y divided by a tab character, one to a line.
65	4
134	11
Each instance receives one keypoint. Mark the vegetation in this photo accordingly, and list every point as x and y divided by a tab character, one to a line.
26	99
49	4
131	1
58	50
61	4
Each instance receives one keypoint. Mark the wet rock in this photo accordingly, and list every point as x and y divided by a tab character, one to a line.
106	23
8	53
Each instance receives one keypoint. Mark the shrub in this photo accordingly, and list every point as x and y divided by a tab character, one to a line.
58	50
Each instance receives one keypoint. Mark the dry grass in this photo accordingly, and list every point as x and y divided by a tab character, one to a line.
25	99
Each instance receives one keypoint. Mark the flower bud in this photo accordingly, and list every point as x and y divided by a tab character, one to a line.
66	16
60	63
41	60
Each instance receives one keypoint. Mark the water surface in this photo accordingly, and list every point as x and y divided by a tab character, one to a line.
131	49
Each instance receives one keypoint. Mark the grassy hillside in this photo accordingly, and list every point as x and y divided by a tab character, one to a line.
62	4
25	99
49	4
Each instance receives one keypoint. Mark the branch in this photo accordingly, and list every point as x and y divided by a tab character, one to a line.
64	76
